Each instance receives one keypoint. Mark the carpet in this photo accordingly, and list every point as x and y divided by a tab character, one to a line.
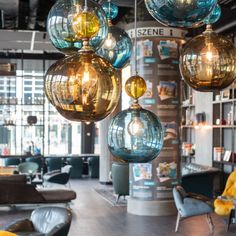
110	196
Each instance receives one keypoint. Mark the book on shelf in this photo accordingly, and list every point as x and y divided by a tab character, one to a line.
218	152
227	155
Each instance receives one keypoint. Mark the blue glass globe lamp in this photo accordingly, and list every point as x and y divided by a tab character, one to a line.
110	9
214	16
117	47
60	30
180	13
135	135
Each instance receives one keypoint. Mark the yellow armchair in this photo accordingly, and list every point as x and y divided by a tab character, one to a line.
224	206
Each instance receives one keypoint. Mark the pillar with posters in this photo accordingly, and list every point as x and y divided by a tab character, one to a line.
158	63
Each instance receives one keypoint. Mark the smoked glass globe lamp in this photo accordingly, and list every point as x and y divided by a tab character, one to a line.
117	47
60	28
84	86
208	62
180	13
135	135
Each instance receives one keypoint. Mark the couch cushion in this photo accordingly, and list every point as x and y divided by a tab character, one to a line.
13	178
57	195
29	234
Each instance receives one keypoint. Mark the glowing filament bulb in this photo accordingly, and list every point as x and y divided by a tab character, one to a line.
210	54
110	42
85	84
136	127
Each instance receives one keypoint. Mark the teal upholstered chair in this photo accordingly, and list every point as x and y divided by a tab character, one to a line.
189	205
11	161
77	167
28	168
93	166
120	179
54	163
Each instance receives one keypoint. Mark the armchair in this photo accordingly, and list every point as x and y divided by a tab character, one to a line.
191	205
58	176
120	179
48	221
28	168
225	205
93	166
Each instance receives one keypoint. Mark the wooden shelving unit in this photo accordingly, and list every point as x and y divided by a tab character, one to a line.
224	128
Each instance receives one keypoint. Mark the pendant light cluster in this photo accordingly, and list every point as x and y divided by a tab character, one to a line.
135	135
60	26
117	47
180	13
84	86
208	61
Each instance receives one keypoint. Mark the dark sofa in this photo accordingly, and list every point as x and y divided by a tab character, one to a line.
14	190
200	179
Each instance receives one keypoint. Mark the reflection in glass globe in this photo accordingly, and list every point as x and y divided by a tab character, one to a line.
83	87
214	16
180	13
208	62
85	24
110	9
59	25
135	135
117	47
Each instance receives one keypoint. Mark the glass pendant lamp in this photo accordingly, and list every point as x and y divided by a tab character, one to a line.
135	135
60	29
208	61
84	86
117	46
180	13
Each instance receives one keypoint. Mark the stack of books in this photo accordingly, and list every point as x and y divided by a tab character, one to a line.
218	152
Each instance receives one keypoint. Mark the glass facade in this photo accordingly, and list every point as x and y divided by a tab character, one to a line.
28	123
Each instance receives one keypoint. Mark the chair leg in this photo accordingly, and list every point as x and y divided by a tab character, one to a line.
177	222
210	223
230	219
118	197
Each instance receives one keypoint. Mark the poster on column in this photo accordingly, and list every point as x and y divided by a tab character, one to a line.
158	64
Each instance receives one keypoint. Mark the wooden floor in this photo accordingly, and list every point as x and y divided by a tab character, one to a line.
94	216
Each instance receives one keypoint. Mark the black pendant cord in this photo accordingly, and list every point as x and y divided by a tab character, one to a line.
135	37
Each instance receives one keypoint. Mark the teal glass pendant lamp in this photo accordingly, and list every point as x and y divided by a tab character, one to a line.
180	13
208	61
214	16
117	46
135	135
60	30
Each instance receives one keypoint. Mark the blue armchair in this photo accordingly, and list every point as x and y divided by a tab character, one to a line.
77	167
120	179
93	166
191	205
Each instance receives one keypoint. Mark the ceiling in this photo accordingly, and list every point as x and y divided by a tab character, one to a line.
32	14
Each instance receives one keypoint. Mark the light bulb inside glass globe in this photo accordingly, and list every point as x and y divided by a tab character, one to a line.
209	54
189	2
136	127
110	42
